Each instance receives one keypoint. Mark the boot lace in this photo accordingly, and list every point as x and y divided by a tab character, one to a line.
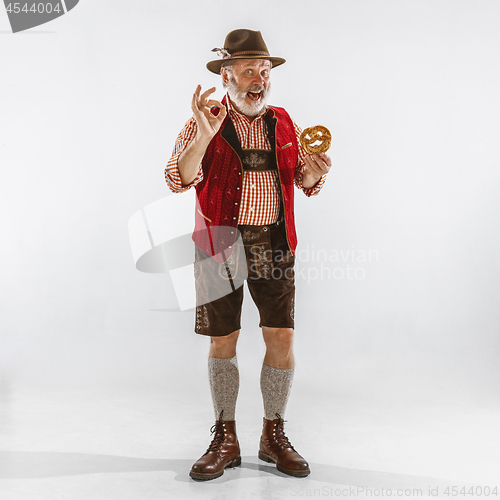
279	434
218	430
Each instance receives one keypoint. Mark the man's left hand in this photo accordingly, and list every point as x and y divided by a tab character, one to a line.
316	166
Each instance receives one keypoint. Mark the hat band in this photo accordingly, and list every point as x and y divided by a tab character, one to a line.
257	52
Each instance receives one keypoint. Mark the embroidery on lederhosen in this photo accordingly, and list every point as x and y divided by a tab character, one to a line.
257	160
292	309
202	318
254	160
262	261
229	268
249	236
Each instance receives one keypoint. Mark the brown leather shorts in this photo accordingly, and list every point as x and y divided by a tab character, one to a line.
262	258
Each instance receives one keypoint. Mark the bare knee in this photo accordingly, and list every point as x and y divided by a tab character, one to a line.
279	347
280	339
224	347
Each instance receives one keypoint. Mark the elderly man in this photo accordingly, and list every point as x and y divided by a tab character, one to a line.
244	158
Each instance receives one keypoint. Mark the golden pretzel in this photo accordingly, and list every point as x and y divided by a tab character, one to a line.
312	134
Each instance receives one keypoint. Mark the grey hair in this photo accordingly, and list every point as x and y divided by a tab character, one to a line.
231	62
228	66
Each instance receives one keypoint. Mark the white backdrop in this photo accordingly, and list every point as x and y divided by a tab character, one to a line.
91	106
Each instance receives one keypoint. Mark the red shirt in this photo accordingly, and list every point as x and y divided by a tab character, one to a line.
260	200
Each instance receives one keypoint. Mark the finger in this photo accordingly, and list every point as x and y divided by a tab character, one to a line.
311	165
197	112
196	97
204	96
326	159
211	90
212	103
222	114
194	105
197	92
320	163
218	112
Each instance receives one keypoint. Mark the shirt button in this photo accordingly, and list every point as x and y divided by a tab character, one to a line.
235	202
234	218
238	188
230	246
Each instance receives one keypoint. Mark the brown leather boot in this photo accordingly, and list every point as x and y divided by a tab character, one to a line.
275	447
224	451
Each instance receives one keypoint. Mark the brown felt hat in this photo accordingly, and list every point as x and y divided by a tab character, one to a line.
243	44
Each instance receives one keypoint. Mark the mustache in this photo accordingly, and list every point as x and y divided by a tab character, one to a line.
256	88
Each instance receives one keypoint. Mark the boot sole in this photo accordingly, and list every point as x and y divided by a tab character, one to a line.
207	476
296	473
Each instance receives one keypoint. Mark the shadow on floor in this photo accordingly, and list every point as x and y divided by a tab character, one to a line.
26	464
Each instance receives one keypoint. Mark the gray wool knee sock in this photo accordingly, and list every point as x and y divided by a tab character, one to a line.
275	384
224	380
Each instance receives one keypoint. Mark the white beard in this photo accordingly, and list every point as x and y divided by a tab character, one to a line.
239	97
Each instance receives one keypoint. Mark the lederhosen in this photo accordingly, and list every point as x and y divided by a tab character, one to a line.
261	256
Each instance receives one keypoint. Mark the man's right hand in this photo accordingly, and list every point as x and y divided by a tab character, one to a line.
207	123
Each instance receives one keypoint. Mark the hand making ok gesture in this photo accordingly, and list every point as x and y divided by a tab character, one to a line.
208	124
